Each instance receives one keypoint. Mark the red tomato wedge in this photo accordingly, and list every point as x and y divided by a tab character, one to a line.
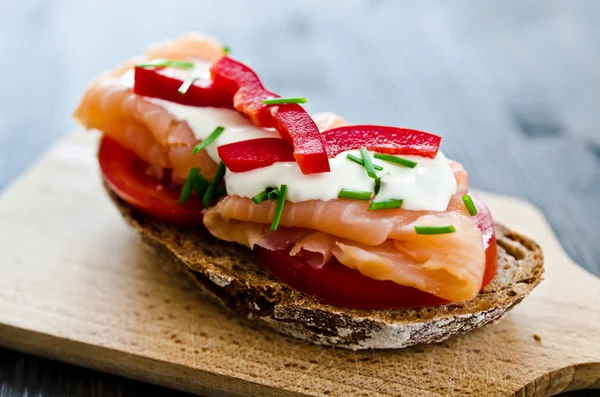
164	83
292	122
127	176
255	153
381	139
339	285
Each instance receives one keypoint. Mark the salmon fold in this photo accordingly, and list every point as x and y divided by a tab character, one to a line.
380	244
143	126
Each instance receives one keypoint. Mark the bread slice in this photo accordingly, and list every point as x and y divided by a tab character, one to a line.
230	274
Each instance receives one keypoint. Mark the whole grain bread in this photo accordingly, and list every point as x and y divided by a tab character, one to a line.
229	273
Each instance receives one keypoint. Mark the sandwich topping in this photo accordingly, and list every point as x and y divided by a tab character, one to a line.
422	183
192	136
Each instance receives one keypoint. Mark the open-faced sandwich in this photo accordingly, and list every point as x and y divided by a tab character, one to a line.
359	236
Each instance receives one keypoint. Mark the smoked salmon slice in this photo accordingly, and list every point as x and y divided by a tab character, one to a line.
328	121
149	129
380	244
145	127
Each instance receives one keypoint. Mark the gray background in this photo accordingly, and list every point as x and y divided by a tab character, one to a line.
513	86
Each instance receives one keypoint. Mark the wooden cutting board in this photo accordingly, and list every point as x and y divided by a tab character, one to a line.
77	286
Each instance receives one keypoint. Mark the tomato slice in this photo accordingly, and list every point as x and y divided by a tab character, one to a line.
127	176
339	285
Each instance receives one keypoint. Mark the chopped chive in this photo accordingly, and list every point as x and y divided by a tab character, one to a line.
270	193
469	204
273	194
359	161
435	229
283	101
212	188
377	185
210	139
167	63
279	209
385	204
221	191
395	159
200	185
260	197
355	194
367	162
186	190
226	49
186	85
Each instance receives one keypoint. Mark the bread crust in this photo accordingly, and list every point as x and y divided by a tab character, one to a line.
230	274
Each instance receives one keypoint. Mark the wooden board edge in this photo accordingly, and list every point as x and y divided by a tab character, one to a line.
570	378
544	235
145	369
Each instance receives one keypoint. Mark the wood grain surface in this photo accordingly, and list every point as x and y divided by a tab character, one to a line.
89	294
513	86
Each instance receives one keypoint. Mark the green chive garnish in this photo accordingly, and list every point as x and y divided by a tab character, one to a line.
385	204
395	159
283	101
260	197
221	191
367	162
210	139
435	229
377	185
186	85
186	190
354	194
279	209
273	194
359	161
214	184
469	204
226	49
270	193
200	185
167	64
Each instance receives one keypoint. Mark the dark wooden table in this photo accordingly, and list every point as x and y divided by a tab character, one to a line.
513	86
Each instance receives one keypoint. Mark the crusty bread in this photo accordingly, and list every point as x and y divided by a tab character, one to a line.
230	274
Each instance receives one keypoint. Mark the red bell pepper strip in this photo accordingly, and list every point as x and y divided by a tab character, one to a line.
230	75
163	83
299	129
381	139
255	153
291	120
248	101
